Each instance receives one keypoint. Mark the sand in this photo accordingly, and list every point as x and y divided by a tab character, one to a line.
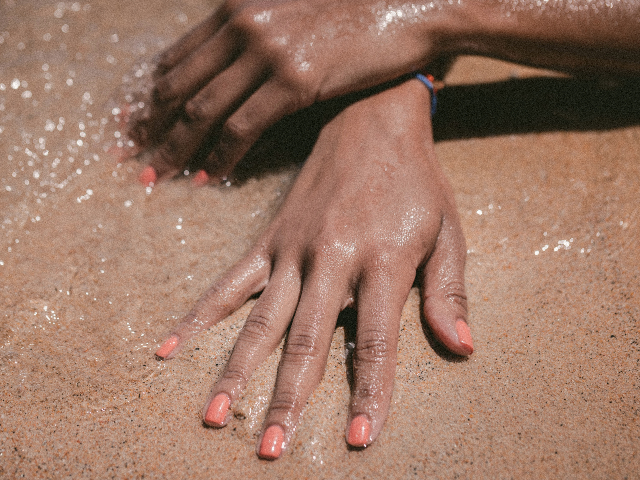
94	271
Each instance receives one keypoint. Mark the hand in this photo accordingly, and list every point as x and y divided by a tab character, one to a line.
253	62
370	210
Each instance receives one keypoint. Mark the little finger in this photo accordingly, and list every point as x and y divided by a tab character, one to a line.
443	291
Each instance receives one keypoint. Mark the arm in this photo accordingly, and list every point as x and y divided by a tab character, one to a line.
251	63
581	36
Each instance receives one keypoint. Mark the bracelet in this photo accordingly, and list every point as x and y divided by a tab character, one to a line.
428	82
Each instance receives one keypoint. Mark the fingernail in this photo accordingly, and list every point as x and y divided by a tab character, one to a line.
148	176
200	179
217	411
359	432
464	336
271	446
167	347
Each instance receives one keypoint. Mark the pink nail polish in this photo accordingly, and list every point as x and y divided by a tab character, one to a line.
200	179
359	432
167	347
148	176
464	336
217	411
271	445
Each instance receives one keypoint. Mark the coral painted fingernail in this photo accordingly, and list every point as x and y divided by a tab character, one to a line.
464	336
148	176
217	410
200	179
167	347
359	432
271	445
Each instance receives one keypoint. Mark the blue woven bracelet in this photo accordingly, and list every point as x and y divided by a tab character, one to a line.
429	84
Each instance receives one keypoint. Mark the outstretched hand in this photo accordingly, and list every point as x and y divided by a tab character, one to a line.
253	62
369	211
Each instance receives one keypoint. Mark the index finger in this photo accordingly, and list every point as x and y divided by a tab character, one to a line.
191	41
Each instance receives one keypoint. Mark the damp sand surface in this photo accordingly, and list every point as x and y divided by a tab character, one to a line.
94	271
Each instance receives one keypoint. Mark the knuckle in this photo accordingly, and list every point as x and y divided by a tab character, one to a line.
230	6
246	18
297	84
301	348
217	294
372	347
196	110
284	401
301	85
330	256
235	134
258	327
365	391
455	292
331	243
236	374
164	89
382	259
451	292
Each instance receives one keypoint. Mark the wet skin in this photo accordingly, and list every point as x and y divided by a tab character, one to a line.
253	62
369	211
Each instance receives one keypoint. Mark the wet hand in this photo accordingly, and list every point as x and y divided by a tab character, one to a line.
253	62
370	211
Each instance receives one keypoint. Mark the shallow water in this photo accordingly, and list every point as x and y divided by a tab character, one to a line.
95	270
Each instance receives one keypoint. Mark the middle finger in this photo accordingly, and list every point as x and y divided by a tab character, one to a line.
303	360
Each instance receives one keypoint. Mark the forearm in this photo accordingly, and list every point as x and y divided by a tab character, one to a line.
570	35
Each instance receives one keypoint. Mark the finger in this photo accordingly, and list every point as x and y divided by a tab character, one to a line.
270	103
189	42
444	298
381	297
177	85
196	69
203	112
261	334
303	361
148	126
246	278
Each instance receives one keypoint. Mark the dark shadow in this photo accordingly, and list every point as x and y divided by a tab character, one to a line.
438	348
538	104
348	321
291	140
518	106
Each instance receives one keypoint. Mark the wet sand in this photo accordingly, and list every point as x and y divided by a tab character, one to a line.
94	270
